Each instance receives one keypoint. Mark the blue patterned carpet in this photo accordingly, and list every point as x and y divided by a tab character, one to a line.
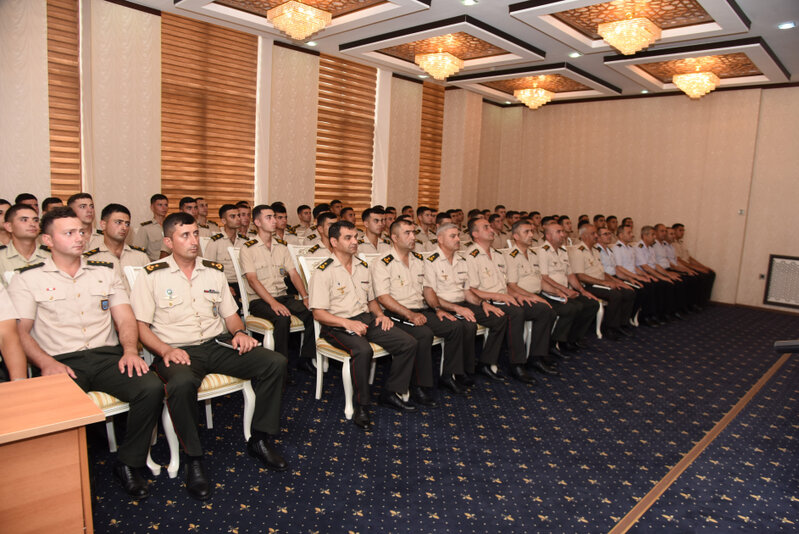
574	454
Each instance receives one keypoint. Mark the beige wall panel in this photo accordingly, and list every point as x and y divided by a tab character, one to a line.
773	214
292	154
514	180
460	151
125	108
24	114
490	154
404	138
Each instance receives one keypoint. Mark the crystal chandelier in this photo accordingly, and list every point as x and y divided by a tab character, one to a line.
297	20
630	35
696	84
439	65
533	98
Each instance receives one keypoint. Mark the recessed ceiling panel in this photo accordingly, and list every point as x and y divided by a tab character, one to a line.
725	66
460	44
556	83
336	7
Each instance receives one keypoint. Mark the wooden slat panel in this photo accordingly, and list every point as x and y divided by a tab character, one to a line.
208	88
429	185
345	132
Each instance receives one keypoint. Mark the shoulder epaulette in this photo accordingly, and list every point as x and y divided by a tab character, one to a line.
325	264
598	248
203	226
545	247
640	245
44	248
291	230
468	244
278	240
134	247
29	267
417	255
514	253
99	232
247	235
364	264
156	266
361	241
619	244
217	237
434	240
417	230
475	253
97	263
3	247
418	241
433	257
250	243
313	248
581	247
310	237
91	252
387	241
563	249
387	259
312	227
145	223
214	265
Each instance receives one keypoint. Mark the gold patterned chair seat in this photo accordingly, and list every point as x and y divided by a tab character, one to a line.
256	323
327	349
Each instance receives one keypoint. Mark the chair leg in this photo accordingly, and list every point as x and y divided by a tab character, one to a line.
599	315
441	367
112	437
249	409
269	340
320	374
346	379
209	414
172	441
372	372
634	320
155	468
528	336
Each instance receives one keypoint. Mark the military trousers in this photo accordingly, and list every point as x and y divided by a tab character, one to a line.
619	307
574	324
265	368
497	329
282	324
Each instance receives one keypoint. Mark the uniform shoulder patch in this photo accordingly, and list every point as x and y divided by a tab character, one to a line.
214	265
364	264
417	231
433	257
44	248
99	232
361	241
29	267
155	266
217	237
468	244
514	253
598	248
619	244
3	247
325	264
387	259
417	255
563	249
134	247
145	223
386	241
278	240
91	252
419	241
97	263
313	249
434	240
246	236
582	247
545	247
291	230
312	227
475	253
310	237
640	245
203	226
250	243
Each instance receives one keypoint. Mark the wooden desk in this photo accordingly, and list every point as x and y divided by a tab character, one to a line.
43	460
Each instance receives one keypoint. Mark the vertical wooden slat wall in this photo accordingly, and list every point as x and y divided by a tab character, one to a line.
430	145
208	90
345	132
63	79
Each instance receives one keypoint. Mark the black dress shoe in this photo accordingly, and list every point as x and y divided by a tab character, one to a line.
361	417
485	370
581	345
306	365
464	380
556	352
197	483
626	331
449	383
420	396
518	372
678	315
131	480
568	346
651	322
610	333
541	367
393	400
268	456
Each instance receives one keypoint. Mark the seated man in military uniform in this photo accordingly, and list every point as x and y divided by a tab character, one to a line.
185	313
372	241
342	299
13	365
232	235
68	307
22	223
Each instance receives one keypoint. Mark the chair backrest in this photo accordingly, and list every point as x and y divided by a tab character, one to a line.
243	287
510	243
8	275
131	273
204	244
297	252
307	265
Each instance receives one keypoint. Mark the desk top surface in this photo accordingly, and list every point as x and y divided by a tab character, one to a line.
43	405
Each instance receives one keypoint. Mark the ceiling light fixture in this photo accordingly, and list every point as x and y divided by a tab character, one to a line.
786	25
696	84
440	65
575	55
311	43
644	91
469	2
631	34
534	97
298	20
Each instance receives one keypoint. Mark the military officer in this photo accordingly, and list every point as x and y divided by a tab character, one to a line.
372	241
685	258
342	299
83	343
184	312
283	234
319	240
501	235
50	203
652	304
245	214
553	260
671	291
5	235
607	257
666	257
265	264
22	223
189	205
398	280
83	205
425	229
304	226
150	235
202	217
487	271
230	236
13	357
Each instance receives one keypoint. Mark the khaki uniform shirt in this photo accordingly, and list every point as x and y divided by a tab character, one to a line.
586	260
95	239
405	284
11	259
216	251
270	265
131	256
312	238
301	231
681	250
383	245
554	263
319	251
334	289
450	281
289	238
486	274
206	230
7	310
426	241
69	314
524	271
150	237
500	240
182	311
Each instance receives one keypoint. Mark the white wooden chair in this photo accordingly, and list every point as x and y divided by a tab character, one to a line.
510	244
8	275
213	385
204	244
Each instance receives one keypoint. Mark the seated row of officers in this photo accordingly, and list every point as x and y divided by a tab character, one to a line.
182	309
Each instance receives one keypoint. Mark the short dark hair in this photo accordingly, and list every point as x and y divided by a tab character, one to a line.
677	225
224	208
391	209
320	208
22	197
582	223
180	218
609	217
548	218
518	224
335	201
473	212
324	216
499	207
346	209
403	218
493	217
12	211
256	211
47	202
243	204
78	196
4	201
302	207
564	218
510	213
534	213
395	226
368	212
156	197
442	215
583	216
422	209
199	198
599	216
406	207
471	224
278	207
335	229
485	211
186	200
626	220
113	208
61	212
